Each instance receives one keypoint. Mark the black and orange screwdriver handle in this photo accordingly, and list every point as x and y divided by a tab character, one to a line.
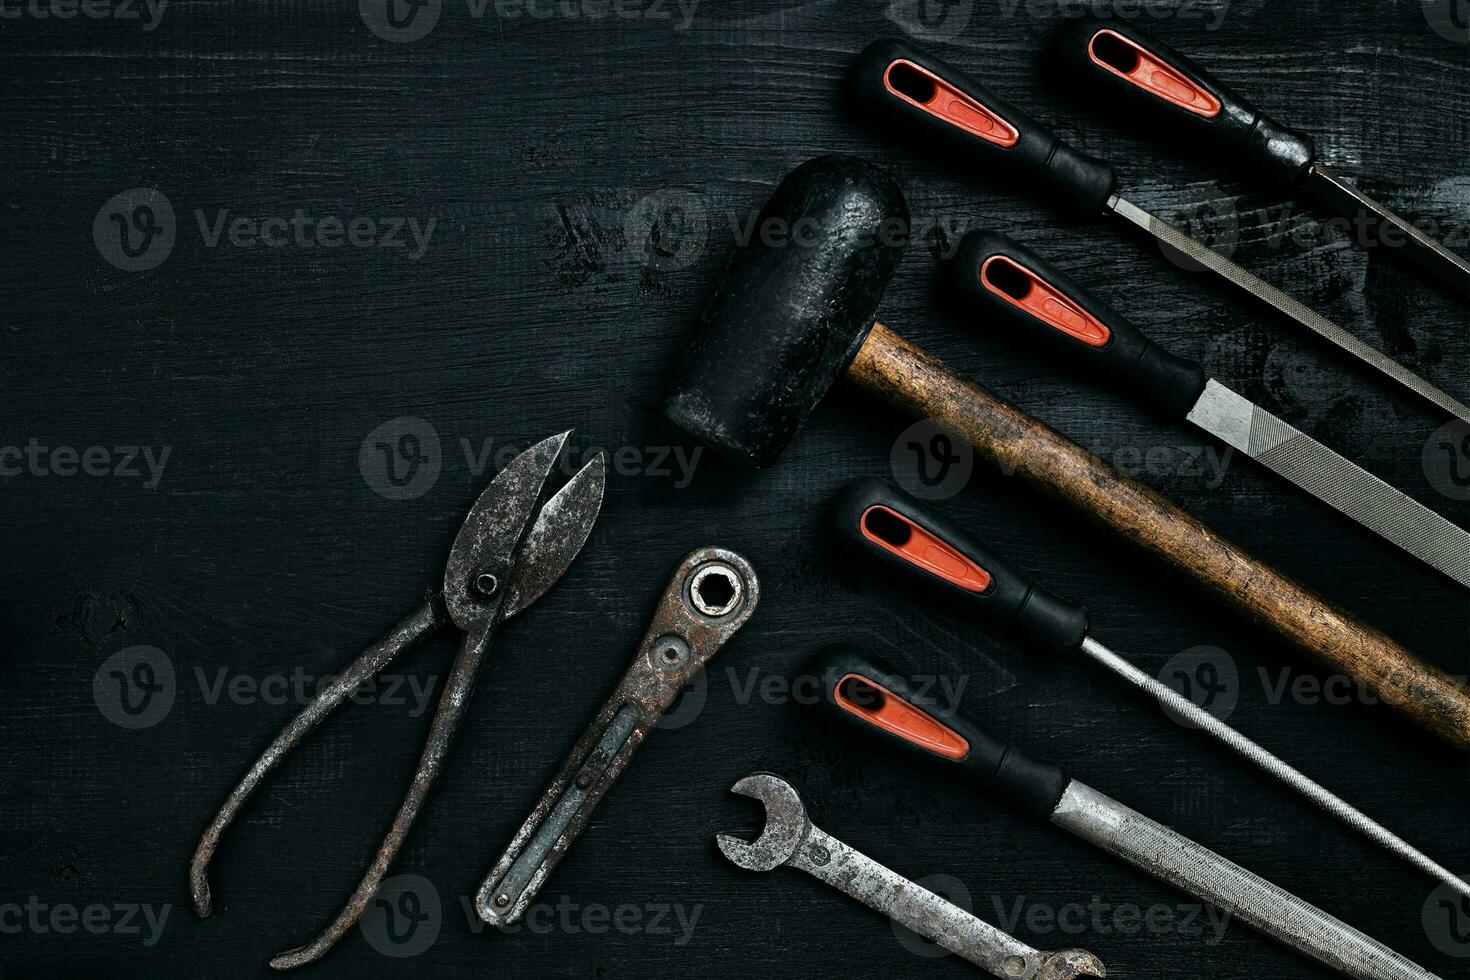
1012	288
916	94
1134	77
879	700
880	521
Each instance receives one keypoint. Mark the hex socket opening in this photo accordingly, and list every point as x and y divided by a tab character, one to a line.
716	590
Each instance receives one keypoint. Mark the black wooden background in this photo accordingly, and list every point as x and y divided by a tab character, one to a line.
586	176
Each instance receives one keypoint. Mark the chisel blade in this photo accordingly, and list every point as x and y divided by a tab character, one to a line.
1284	304
1334	480
1330	191
1175	859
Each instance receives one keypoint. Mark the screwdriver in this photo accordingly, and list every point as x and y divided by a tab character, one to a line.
926	98
876	699
1136	76
882	523
1037	302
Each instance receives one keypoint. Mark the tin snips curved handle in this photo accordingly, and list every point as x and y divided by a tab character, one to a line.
712	594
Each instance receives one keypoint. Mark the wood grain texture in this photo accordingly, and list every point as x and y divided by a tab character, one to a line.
542	303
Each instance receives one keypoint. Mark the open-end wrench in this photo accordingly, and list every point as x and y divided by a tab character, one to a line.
790	838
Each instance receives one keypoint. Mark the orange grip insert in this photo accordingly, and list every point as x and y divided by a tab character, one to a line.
895	533
1137	66
879	706
1027	291
921	87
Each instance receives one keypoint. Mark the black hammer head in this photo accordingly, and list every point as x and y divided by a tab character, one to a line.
794	306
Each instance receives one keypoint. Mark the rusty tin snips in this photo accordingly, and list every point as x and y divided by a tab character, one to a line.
711	595
510	550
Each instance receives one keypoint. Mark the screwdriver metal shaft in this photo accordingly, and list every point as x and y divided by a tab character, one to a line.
1326	187
1324	798
1284	304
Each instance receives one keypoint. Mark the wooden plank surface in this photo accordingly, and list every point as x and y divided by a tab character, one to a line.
270	548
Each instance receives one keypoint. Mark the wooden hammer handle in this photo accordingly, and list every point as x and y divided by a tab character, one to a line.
923	386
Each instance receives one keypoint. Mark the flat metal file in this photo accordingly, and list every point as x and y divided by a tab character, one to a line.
1023	293
883	703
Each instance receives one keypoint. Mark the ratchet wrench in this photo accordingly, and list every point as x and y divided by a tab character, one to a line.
712	594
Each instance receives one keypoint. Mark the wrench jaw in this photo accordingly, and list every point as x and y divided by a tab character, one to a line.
1069	964
786	824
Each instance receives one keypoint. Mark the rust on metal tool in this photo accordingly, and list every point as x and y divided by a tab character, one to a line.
509	551
712	594
790	838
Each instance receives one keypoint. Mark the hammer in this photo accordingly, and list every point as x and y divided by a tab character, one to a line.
796	309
